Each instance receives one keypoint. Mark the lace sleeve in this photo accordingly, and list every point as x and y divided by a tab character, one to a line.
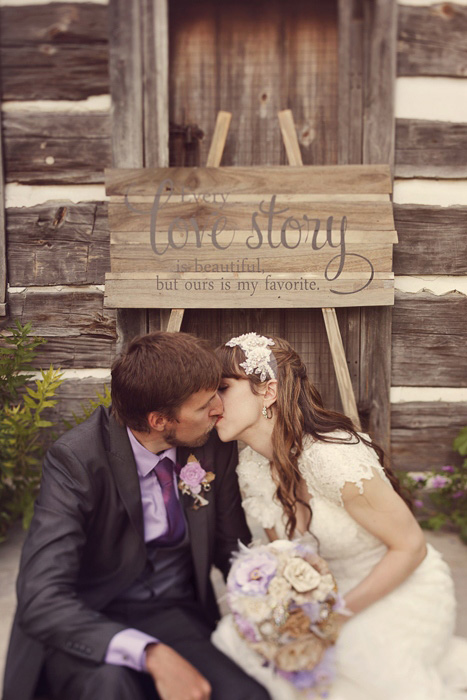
328	467
257	488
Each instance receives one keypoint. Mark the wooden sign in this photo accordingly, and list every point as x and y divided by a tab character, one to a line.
309	236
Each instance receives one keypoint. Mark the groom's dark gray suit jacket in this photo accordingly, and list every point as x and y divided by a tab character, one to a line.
86	544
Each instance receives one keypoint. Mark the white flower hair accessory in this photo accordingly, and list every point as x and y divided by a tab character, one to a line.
257	354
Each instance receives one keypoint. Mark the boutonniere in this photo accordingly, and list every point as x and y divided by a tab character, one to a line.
193	479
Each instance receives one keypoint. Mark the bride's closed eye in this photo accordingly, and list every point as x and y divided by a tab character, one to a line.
222	387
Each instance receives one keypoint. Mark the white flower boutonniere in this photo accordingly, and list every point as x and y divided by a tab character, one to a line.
193	479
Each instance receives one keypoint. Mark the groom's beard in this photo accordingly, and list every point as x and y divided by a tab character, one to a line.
171	438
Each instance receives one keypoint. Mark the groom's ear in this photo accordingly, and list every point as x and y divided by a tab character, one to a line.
157	421
270	395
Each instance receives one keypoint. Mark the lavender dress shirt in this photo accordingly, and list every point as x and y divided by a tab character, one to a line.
128	647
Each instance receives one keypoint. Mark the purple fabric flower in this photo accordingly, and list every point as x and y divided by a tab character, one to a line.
192	474
447	469
438	482
418	504
247	629
251	575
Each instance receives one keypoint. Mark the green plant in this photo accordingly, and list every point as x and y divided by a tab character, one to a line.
22	424
441	494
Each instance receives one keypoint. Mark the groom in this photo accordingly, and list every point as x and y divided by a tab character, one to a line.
114	596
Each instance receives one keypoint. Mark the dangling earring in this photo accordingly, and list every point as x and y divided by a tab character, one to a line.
267	413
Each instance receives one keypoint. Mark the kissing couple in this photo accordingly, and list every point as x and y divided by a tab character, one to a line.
141	500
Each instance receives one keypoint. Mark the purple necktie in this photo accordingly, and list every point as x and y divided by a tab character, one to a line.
176	523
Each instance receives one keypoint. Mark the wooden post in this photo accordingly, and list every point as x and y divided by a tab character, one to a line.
367	72
330	318
2	236
138	58
213	161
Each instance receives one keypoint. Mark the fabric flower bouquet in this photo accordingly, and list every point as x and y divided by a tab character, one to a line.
285	603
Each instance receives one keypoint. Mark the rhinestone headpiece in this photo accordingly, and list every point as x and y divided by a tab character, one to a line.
257	354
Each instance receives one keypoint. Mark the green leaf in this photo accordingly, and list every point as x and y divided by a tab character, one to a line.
460	442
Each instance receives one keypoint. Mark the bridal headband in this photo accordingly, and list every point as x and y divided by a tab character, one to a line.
257	354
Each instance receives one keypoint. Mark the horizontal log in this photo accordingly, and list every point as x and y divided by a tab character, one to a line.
431	40
428	340
72	397
78	330
245	290
360	215
422	434
432	240
58	23
54	72
343	179
55	51
430	149
56	147
133	252
57	244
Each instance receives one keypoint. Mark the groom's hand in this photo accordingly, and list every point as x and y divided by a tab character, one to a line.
174	677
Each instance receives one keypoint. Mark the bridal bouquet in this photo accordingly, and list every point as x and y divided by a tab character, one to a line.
284	603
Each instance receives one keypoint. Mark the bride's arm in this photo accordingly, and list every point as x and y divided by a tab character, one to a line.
381	511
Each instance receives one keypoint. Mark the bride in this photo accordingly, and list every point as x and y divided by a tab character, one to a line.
306	471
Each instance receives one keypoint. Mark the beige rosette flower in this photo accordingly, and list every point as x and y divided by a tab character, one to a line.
301	575
279	591
253	608
326	585
302	655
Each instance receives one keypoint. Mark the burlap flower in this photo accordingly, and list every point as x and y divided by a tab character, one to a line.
302	655
297	625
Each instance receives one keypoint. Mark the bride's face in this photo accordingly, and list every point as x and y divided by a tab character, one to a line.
242	410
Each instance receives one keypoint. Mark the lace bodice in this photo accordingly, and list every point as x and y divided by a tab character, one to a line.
350	550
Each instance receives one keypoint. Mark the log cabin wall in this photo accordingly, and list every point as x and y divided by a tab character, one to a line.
56	126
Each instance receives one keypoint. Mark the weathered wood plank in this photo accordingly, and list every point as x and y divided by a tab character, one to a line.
155	40
126	88
136	217
432	240
3	263
367	50
72	396
133	252
54	72
58	244
56	147
428	340
54	51
380	34
427	148
374	179
431	40
59	23
351	83
78	330
248	290
422	434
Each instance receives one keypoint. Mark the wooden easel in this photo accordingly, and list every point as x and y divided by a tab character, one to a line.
294	156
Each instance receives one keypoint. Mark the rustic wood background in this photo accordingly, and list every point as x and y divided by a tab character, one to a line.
252	59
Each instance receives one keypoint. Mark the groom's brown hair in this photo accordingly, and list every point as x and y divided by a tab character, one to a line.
159	372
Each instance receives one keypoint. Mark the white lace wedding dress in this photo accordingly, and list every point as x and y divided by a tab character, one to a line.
399	648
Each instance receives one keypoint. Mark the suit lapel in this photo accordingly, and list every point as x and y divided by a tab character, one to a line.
123	467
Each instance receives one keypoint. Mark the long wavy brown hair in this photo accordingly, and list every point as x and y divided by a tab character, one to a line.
299	412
